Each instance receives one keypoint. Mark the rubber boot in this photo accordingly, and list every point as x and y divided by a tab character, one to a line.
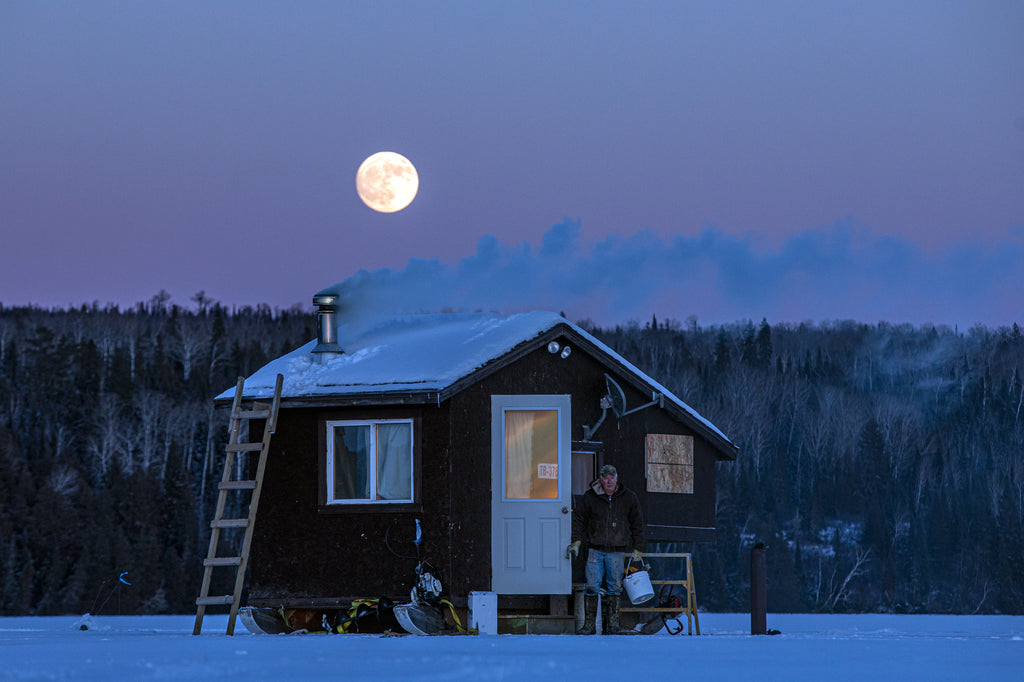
589	626
610	615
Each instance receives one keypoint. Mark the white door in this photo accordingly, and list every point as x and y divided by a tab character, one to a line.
531	494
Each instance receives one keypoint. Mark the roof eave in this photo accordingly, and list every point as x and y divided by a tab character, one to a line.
381	398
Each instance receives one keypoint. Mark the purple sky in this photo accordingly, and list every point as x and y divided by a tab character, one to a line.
613	160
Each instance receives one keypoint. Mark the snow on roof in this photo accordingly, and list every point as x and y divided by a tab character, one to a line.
418	353
399	354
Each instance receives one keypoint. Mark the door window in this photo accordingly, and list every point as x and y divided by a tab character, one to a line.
531	454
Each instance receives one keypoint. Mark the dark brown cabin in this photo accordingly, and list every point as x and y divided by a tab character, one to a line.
478	427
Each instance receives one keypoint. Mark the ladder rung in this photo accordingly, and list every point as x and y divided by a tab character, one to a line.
229	523
251	414
670	582
223	561
237	485
244	447
210	601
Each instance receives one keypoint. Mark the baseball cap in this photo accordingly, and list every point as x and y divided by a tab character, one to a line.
608	469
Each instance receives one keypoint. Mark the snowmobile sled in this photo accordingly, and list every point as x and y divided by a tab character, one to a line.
424	614
419	619
262	621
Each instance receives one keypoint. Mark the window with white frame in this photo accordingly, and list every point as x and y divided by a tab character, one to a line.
369	461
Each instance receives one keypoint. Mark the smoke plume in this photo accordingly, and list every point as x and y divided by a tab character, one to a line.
833	273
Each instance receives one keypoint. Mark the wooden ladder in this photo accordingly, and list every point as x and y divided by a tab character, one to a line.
258	410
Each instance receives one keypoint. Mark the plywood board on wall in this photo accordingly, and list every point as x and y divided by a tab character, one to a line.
669	463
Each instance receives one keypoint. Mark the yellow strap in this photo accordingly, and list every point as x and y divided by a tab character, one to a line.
284	616
353	610
455	617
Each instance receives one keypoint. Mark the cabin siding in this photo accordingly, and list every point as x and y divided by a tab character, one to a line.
304	554
307	555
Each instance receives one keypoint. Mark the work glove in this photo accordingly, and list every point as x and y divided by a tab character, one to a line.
572	550
637	556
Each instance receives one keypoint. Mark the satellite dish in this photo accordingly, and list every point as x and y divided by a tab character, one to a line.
615	400
615	396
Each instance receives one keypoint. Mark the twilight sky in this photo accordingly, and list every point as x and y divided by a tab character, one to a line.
613	160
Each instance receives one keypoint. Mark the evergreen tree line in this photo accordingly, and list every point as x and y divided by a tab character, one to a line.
882	465
111	451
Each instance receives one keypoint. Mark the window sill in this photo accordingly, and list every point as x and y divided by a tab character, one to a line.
399	508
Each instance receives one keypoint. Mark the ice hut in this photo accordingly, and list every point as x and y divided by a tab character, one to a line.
474	429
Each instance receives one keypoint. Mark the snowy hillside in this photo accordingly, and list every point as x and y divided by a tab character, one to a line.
811	647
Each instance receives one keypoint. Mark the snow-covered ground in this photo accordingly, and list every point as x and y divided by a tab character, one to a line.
811	647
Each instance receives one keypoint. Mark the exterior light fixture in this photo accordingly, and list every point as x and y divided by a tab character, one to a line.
565	352
553	347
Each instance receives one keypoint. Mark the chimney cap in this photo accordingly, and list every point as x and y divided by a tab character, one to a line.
325	299
327	344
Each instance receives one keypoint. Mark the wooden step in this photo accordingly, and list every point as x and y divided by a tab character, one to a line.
229	523
211	601
243	447
223	561
536	624
237	485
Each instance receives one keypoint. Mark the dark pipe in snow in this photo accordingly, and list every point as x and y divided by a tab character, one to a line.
326	314
758	591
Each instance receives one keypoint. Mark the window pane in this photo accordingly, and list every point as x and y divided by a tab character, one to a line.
531	454
394	462
351	462
583	471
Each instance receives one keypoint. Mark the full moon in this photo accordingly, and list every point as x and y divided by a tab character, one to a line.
387	182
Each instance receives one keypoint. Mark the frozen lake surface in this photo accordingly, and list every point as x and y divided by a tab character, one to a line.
811	647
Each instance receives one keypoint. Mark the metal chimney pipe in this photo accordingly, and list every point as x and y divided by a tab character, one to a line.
326	312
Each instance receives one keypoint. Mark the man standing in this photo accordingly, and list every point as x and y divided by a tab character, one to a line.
609	520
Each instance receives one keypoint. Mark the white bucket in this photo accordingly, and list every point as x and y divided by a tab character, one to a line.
638	587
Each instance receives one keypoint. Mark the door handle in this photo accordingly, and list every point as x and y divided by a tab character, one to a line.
565	510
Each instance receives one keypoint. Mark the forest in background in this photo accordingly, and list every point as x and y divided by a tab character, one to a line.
882	465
